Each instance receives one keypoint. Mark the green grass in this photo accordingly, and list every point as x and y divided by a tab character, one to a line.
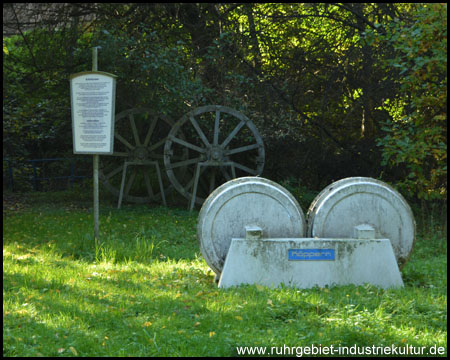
145	290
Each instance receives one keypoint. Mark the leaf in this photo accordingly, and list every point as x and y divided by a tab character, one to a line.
237	317
72	349
440	117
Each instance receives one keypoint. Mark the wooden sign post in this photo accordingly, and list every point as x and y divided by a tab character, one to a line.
92	97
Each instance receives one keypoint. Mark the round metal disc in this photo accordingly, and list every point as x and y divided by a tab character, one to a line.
241	202
360	200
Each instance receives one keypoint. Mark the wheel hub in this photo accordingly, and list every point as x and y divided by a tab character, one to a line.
216	153
140	153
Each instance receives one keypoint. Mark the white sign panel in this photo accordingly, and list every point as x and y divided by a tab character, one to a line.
93	105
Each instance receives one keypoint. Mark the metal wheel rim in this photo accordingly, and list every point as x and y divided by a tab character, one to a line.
152	151
205	148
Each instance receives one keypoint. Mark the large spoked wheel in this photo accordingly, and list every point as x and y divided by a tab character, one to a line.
221	144
139	136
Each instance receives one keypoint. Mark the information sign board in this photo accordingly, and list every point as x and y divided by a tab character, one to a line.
92	97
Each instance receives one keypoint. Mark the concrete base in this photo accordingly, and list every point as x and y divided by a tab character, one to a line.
306	263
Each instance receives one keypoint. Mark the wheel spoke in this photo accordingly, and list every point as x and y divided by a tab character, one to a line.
150	131
199	130
185	162
190	183
216	128
157	156
143	130
242	149
203	183
188	145
114	172
233	133
225	173
120	153
212	180
134	129
156	145
218	139
130	182
148	185
245	168
123	141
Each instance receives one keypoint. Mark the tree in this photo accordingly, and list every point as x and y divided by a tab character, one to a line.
314	84
324	83
53	42
415	139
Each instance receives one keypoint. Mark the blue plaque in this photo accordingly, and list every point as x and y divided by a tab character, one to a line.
311	254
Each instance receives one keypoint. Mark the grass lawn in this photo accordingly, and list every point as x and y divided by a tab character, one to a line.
145	290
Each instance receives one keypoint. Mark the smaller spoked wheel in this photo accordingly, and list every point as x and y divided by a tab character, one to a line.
139	136
221	144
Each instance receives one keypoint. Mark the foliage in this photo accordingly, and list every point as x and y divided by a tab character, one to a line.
36	105
302	194
145	290
36	123
149	73
417	134
336	90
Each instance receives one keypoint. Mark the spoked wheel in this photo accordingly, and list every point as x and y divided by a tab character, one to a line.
139	135
221	144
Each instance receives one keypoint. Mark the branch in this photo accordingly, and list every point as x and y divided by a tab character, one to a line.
344	6
315	122
25	39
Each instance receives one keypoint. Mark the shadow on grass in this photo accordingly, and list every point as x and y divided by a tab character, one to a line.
165	314
65	315
135	233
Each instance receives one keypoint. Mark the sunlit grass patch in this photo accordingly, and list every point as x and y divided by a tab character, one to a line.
145	290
